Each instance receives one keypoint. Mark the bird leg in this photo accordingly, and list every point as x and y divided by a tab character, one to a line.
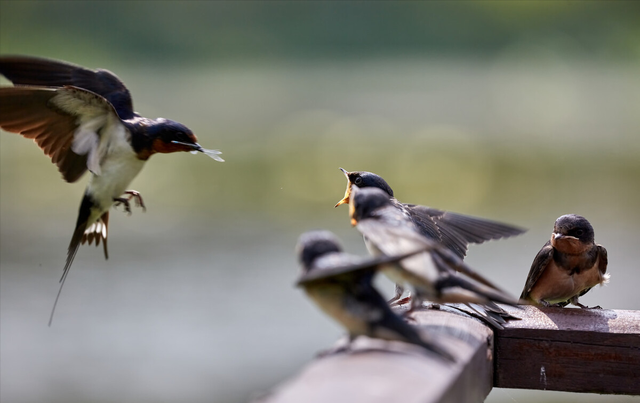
125	201
402	301
548	305
134	194
416	304
575	302
394	301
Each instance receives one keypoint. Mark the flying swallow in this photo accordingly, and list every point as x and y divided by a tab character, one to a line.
452	230
341	285
437	274
84	120
567	266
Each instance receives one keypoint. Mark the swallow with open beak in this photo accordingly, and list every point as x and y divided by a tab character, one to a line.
567	266
437	274
341	285
454	231
84	120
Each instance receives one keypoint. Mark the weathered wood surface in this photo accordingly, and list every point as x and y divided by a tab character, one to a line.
571	350
396	372
565	349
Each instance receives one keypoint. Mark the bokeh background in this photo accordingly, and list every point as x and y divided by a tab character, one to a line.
519	112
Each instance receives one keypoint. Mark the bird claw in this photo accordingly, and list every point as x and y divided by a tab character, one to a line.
588	307
548	305
136	196
399	302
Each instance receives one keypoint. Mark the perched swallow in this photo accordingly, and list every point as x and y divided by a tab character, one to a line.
84	120
437	274
452	230
567	266
341	285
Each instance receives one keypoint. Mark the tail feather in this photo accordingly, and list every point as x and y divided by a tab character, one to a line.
445	258
458	288
71	254
77	239
98	231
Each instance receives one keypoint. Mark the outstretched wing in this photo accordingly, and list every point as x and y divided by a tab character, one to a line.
338	264
26	70
456	231
67	123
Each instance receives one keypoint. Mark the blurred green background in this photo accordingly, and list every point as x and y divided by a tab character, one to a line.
519	112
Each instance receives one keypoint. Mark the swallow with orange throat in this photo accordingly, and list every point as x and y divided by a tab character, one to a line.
567	266
84	120
437	275
452	230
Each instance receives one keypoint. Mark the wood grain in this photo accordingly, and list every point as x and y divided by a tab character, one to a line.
564	349
378	371
571	350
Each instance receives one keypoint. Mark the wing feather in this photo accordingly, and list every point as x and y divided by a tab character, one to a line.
27	111
538	266
58	120
456	231
26	70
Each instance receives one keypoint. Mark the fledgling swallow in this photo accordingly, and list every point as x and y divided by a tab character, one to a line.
452	230
567	266
84	120
437	274
341	285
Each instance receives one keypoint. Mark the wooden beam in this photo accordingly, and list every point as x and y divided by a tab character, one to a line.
571	350
565	349
385	372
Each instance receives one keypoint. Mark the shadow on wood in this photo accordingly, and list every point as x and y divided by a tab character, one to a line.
401	372
564	349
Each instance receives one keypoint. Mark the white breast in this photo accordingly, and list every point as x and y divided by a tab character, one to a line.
118	166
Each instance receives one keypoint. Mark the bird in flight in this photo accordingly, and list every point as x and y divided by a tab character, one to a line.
84	120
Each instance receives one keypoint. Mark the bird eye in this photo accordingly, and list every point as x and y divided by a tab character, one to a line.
579	232
358	181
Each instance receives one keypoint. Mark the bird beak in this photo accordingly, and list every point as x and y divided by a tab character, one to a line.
557	236
195	146
345	199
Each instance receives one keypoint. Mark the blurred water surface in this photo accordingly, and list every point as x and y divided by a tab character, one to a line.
196	303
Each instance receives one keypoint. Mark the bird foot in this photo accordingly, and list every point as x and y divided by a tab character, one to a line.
587	307
575	302
399	302
548	305
136	196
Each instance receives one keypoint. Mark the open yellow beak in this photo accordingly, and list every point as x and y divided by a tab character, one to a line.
345	199
347	193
